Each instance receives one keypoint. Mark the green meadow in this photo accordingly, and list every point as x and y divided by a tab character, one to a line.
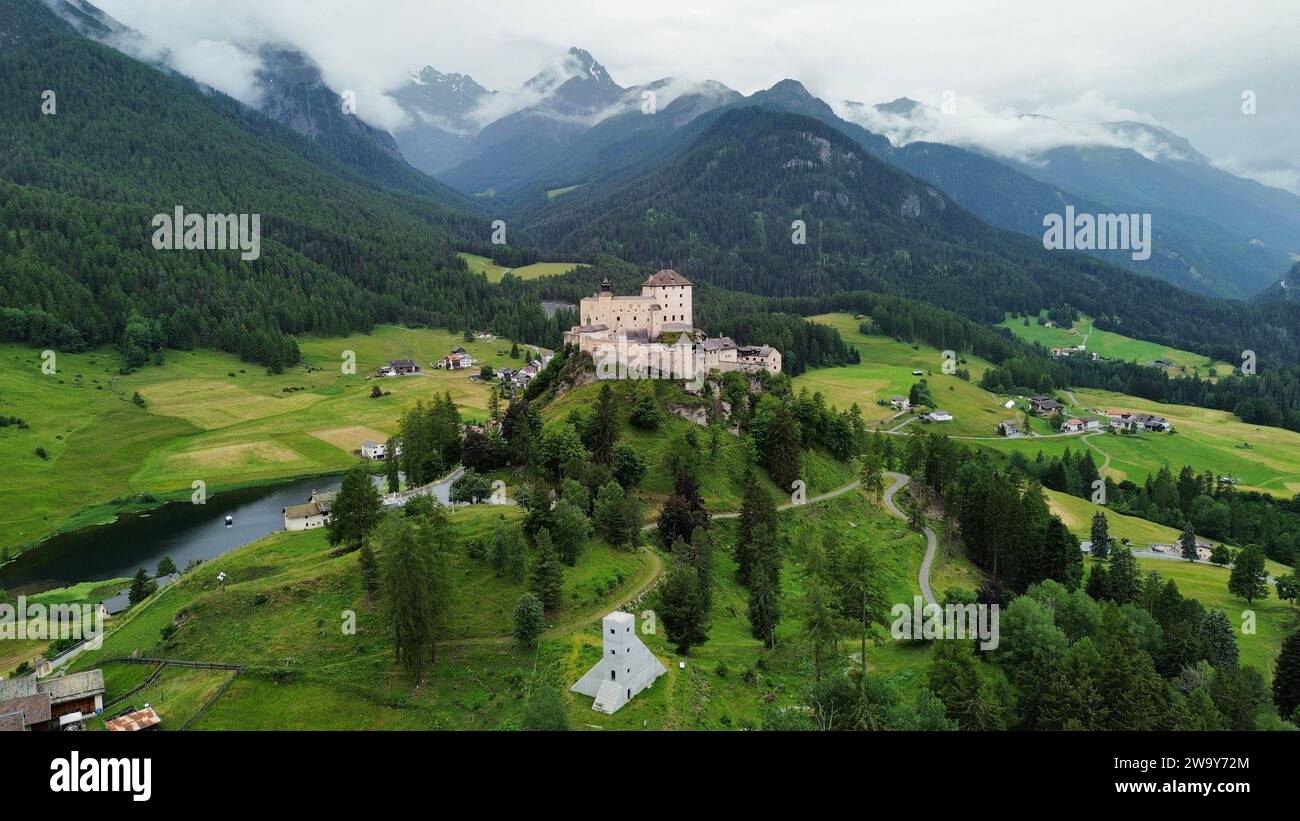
483	265
205	416
886	369
1111	345
282	610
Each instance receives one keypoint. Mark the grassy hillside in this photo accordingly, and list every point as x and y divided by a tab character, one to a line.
722	476
206	415
281	611
494	272
886	370
1111	345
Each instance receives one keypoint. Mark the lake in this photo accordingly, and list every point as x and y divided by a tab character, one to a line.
181	530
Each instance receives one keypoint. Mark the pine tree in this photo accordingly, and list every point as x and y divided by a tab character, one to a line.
1063	561
391	472
873	476
756	511
1100	536
499	553
369	570
1097	582
1187	543
415	584
166	567
821	625
681	608
602	430
683	512
1217	639
1286	678
530	620
141	587
1248	578
356	509
548	577
1122	581
764	607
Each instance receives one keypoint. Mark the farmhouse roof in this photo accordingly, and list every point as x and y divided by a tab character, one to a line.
21	713
72	686
301	511
667	276
139	720
17	688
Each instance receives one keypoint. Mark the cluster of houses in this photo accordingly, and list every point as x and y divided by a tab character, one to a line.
1042	405
1060	353
1127	420
61	703
657	326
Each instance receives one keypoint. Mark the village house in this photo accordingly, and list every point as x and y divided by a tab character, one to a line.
399	367
524	375
373	450
938	416
62	703
899	403
626	667
1010	428
314	513
1044	405
653	334
457	360
1076	425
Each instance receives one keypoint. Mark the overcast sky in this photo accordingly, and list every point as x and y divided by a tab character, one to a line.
1183	64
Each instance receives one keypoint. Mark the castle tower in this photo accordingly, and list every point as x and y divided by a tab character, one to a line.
671	292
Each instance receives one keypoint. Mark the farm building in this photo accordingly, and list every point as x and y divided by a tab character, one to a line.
1044	405
457	360
399	367
52	704
314	513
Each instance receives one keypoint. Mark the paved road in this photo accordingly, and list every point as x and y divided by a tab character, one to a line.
931	541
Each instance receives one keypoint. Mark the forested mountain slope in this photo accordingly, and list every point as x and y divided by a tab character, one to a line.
723	208
79	188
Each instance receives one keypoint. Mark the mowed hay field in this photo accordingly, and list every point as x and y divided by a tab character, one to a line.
1111	345
206	416
494	272
1204	439
886	370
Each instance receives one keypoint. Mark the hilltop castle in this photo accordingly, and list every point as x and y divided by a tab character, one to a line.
654	335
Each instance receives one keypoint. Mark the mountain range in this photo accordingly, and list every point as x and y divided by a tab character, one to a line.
572	125
693	174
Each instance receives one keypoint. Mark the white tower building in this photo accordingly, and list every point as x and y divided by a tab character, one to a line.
627	667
